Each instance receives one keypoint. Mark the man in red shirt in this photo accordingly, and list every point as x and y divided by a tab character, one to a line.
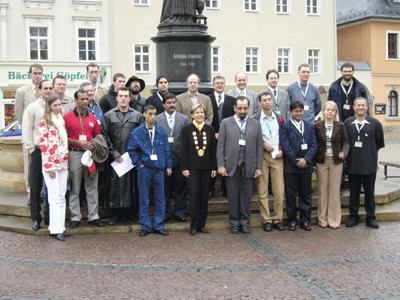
81	128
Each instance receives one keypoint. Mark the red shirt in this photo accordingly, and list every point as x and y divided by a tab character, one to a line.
73	125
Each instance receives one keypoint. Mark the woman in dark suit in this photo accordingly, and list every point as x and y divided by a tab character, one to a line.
198	164
332	149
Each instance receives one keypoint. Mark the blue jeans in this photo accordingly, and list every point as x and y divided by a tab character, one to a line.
145	176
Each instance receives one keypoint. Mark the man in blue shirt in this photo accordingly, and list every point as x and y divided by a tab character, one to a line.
149	150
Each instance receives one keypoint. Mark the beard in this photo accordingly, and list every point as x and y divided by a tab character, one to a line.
135	92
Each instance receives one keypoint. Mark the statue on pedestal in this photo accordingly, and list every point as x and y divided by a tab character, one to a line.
181	11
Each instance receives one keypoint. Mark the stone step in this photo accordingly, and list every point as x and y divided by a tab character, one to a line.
384	213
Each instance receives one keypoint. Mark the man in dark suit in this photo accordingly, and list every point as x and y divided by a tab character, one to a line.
173	122
299	144
222	108
157	99
240	159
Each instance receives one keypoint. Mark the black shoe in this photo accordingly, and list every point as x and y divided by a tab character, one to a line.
203	230
193	232
66	234
60	237
267	227
352	222
372	223
161	232
114	221
143	232
245	229
180	218
74	224
279	226
235	229
306	226
36	225
292	227
97	223
167	218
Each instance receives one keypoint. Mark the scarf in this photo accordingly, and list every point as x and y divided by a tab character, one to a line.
58	122
198	126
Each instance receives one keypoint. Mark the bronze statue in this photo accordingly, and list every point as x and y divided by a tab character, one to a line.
181	11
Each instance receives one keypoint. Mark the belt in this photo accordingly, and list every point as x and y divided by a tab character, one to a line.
77	149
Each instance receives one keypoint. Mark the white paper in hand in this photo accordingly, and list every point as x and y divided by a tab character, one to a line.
124	167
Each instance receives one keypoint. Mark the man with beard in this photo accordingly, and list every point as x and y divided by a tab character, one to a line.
135	86
117	125
157	99
240	159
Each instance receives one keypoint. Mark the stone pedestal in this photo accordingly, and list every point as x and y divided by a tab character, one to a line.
11	164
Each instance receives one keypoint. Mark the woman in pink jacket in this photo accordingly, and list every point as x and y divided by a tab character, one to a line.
54	148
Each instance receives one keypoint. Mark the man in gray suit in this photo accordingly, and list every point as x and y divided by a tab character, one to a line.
241	90
240	159
280	97
24	96
173	122
186	101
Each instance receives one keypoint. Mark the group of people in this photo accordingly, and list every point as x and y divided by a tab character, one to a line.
178	145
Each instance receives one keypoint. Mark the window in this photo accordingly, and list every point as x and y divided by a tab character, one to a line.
282	6
216	59
212	4
392	45
141	2
38	43
312	7
314	60
87	44
283	60
392	104
142	58
252	59
250	5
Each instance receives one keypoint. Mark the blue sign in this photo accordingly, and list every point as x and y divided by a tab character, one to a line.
372	97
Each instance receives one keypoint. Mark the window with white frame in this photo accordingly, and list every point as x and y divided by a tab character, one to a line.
284	60
282	6
393	45
312	7
250	5
393	101
142	57
39	43
252	59
141	2
212	4
216	59
87	43
314	60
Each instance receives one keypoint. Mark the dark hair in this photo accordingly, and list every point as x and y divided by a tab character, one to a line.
272	71
92	65
59	76
118	75
36	66
242	98
296	104
265	93
218	77
41	83
347	65
83	85
79	92
124	88
47	109
148	107
168	96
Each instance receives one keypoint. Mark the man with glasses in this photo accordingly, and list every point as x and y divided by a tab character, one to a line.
93	72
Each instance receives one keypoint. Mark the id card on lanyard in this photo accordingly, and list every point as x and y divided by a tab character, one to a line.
306	107
358	143
300	128
346	106
82	137
152	134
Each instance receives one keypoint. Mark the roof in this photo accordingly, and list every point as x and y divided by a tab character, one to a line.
358	65
348	11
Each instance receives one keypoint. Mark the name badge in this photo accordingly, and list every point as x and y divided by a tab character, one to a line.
170	140
91	124
346	106
272	142
304	146
242	142
358	144
61	149
278	112
153	157
306	107
98	121
82	137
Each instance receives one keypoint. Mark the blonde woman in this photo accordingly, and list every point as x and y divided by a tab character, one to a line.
54	148
332	149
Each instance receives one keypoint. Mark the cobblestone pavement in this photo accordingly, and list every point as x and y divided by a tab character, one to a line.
348	263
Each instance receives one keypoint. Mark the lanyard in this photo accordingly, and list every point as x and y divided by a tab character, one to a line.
348	92
95	93
81	120
359	129
304	94
300	128
152	133
269	128
159	96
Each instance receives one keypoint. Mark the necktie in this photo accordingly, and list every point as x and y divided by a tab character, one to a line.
275	93
171	125
220	108
242	122
242	93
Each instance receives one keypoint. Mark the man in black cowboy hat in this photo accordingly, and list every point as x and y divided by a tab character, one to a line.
135	86
157	99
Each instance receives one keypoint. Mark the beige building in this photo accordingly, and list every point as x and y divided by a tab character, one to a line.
62	36
251	36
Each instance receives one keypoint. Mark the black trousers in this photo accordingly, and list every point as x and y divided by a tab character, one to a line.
198	182
176	184
36	181
368	182
298	184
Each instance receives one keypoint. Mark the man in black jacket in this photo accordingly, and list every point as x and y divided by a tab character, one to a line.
157	99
